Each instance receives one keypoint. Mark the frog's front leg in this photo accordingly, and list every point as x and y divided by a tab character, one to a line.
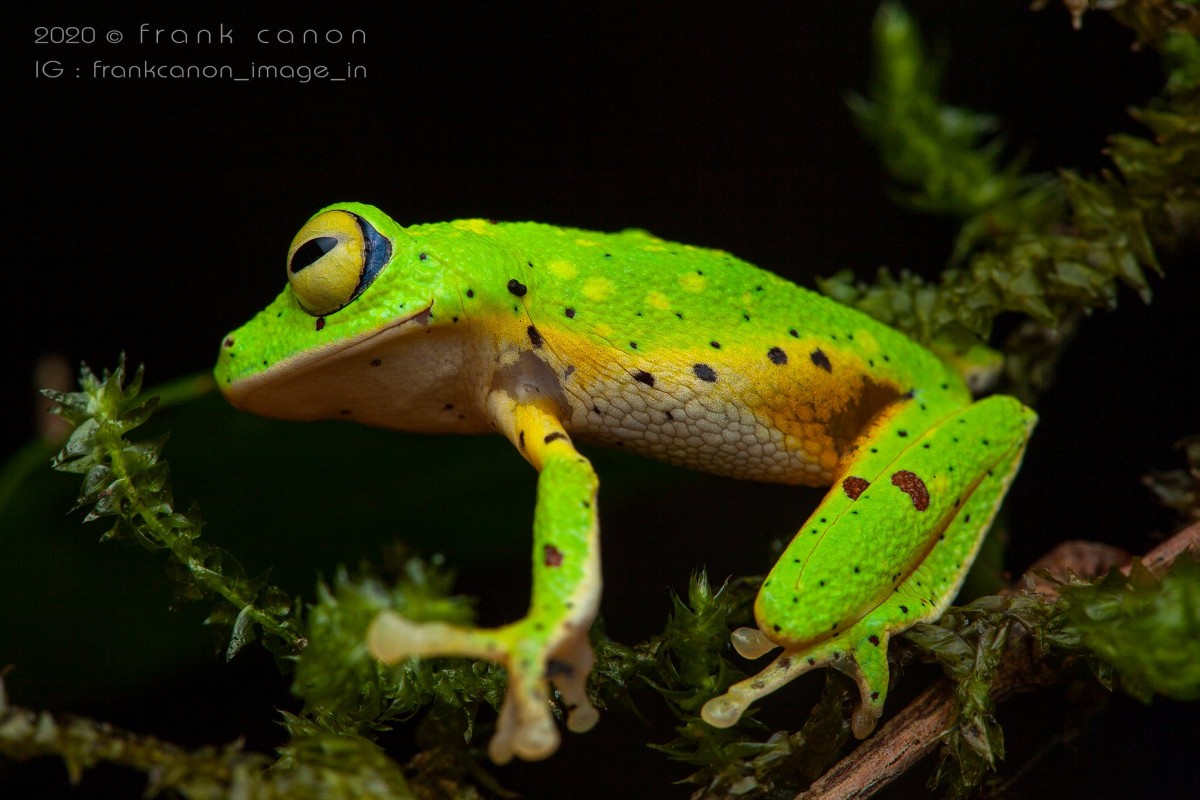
887	548
550	645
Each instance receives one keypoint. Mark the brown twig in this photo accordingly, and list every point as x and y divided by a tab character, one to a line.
915	732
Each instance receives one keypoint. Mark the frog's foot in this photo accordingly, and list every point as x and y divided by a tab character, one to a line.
526	726
860	652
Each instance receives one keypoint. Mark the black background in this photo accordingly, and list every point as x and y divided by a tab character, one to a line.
152	216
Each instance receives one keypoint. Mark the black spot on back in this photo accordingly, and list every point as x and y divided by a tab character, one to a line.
821	360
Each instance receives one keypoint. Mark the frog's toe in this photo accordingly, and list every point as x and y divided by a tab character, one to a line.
751	643
725	710
530	742
536	740
525	727
868	666
568	669
392	638
389	637
864	720
722	711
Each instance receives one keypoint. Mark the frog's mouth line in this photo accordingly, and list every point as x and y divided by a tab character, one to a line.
294	367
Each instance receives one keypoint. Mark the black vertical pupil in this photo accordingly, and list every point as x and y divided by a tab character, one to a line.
307	253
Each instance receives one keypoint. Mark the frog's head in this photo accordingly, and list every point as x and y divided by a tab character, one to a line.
339	340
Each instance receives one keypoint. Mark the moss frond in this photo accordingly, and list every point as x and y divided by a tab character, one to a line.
128	481
346	690
1179	489
1137	630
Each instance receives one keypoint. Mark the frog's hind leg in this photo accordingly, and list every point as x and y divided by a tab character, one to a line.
550	646
887	547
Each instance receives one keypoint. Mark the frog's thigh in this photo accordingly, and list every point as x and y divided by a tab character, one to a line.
888	547
551	643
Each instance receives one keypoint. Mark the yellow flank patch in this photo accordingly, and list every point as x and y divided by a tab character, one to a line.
586	243
693	283
562	269
659	300
603	330
479	226
653	248
597	289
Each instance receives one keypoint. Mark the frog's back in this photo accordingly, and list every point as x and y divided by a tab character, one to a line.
695	357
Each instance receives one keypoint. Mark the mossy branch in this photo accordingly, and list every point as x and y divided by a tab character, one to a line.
128	481
1049	247
1046	636
314	764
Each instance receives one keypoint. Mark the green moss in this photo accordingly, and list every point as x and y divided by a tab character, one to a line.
1052	248
128	481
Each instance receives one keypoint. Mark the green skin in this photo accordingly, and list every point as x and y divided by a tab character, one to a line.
551	335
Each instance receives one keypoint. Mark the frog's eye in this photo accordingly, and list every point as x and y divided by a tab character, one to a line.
333	258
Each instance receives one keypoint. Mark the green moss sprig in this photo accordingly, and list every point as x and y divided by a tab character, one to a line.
129	482
968	643
1138	632
1179	489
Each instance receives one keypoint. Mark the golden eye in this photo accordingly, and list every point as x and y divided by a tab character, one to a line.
334	257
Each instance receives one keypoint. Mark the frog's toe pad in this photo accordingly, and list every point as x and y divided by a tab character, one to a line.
528	739
866	716
582	718
722	711
536	740
751	643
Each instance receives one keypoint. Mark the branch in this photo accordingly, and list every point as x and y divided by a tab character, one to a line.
916	731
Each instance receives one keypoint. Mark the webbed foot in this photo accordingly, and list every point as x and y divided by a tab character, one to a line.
526	727
859	652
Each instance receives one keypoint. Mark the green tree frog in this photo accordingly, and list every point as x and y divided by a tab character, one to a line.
554	335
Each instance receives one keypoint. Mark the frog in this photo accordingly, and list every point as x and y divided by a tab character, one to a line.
556	336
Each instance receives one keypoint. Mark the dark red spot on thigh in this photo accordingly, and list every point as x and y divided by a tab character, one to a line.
552	556
854	486
914	487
